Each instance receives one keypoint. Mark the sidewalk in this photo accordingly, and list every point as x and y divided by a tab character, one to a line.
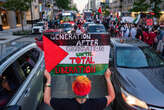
7	34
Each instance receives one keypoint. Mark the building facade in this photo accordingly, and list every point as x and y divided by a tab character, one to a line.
124	5
35	9
12	19
115	6
95	4
98	4
91	5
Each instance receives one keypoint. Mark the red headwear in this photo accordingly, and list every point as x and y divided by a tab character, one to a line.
81	86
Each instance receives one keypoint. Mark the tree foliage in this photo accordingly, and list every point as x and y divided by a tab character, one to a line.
155	7
74	8
106	12
140	6
18	6
143	5
63	4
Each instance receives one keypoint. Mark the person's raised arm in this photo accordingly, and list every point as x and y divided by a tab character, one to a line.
111	93
47	90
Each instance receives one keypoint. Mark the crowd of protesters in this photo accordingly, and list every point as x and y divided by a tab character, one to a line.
152	35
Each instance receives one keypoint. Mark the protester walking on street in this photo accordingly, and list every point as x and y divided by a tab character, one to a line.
139	33
127	31
122	29
145	35
133	31
160	40
81	88
152	36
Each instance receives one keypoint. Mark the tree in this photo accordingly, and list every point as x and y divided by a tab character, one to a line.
106	12
74	8
105	9
63	4
18	6
31	11
155	7
140	6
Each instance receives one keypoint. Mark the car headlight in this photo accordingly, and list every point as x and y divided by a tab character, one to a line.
133	101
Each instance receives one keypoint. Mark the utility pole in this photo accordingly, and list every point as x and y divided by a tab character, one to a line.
31	13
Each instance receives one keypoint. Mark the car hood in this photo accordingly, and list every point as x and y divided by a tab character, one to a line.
97	32
37	27
67	28
145	84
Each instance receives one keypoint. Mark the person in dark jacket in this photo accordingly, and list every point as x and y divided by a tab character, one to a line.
6	91
81	87
139	33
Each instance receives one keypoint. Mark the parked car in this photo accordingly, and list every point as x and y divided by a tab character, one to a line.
21	76
138	75
96	29
38	28
39	39
85	26
66	27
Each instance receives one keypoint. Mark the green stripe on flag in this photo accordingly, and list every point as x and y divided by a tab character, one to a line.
99	69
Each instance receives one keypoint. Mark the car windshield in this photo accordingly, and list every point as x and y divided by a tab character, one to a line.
86	24
133	57
66	25
68	18
38	24
96	29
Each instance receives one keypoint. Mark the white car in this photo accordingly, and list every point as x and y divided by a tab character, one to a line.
38	28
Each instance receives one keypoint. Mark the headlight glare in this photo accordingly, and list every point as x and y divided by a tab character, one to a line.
133	101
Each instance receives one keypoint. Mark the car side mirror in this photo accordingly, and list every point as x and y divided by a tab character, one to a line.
13	107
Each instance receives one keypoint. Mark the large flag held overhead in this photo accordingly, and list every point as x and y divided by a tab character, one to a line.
137	19
67	54
53	54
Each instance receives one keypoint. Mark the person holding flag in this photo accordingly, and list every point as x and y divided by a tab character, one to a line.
81	88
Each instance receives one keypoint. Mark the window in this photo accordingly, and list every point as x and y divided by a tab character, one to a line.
28	61
66	25
96	29
9	84
138	57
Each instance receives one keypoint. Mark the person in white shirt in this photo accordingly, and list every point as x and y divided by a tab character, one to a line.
133	31
122	30
127	31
